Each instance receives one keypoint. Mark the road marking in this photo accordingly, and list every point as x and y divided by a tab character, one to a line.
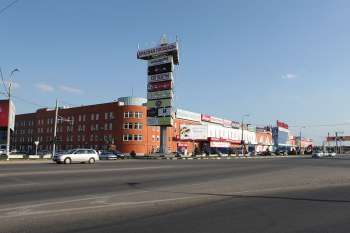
87	198
83	171
28	212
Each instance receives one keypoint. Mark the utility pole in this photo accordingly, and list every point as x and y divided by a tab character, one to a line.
336	142
242	124
55	130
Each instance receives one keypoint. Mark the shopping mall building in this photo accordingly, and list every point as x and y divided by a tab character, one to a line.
122	125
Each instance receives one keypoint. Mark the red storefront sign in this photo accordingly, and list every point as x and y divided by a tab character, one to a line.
160	86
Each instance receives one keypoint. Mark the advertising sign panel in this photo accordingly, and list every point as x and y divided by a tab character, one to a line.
152	112
220	144
160	95
160	121
160	77
160	60
205	118
4	114
163	68
187	115
283	138
157	50
193	132
235	125
160	86
164	112
159	103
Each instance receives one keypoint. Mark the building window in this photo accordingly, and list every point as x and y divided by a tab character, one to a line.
138	125
110	126
138	114
127	125
125	137
92	116
84	117
138	137
127	115
111	115
97	116
106	115
79	118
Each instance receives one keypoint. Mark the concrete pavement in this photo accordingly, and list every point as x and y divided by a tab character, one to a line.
278	195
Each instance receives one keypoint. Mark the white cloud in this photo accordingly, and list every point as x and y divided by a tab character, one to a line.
71	89
44	87
289	76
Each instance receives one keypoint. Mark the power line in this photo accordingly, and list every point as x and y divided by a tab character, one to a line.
8	6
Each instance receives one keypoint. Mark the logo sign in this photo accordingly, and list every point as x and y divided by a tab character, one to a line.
152	112
163	68
160	60
193	132
160	77
159	103
160	86
205	117
157	50
160	121
164	112
160	95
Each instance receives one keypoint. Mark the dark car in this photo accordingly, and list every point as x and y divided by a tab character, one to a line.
111	155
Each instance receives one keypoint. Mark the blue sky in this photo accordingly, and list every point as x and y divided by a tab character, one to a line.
286	60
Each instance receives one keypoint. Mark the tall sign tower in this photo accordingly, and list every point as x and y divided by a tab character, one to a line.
161	61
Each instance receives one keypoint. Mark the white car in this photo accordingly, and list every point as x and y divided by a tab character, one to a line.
77	156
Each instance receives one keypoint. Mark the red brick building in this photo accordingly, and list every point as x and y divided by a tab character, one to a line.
119	125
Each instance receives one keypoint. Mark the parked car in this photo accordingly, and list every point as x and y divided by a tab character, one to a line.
77	156
318	154
108	155
3	149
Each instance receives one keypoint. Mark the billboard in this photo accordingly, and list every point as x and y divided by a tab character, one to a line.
4	114
160	60
283	138
160	86
187	115
281	124
193	132
157	51
160	95
163	68
160	121
152	112
164	112
160	77
159	103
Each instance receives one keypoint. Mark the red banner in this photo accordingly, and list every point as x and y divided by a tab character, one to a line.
160	86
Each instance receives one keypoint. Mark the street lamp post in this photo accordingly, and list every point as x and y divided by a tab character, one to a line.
242	138
9	114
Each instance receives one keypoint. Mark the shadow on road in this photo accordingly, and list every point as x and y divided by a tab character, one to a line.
136	185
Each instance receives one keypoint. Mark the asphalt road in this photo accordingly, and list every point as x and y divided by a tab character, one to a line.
262	195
